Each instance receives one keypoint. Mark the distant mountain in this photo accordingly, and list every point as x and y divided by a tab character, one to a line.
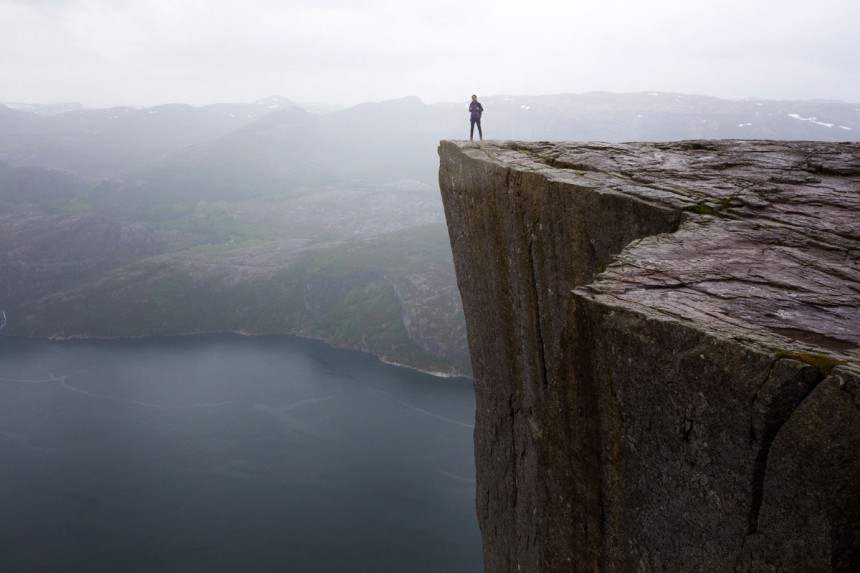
394	295
108	142
44	109
46	187
267	218
391	140
282	153
43	253
361	267
653	116
290	150
374	143
396	137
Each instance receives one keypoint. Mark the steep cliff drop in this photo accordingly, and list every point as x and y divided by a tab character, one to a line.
665	342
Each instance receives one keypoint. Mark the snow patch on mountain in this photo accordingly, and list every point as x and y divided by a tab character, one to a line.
810	119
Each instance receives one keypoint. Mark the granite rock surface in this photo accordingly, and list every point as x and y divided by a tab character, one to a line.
665	341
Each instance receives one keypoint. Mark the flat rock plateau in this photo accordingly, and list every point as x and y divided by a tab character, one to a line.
665	340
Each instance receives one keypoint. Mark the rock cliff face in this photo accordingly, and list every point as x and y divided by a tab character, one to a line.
665	343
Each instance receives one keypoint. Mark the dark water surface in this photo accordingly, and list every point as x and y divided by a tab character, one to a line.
224	453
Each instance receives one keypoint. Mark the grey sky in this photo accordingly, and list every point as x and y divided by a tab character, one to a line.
146	52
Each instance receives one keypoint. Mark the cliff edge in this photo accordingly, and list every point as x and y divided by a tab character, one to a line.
665	342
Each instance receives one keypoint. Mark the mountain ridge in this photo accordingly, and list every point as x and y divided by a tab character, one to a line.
201	189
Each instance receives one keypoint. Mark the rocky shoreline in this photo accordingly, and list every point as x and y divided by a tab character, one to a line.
383	359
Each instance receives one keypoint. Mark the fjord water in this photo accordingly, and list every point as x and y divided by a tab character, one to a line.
227	453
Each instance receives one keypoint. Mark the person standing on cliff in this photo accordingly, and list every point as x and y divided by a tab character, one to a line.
475	111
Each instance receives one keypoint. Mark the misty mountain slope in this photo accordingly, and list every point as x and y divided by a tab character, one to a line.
386	141
653	116
50	241
44	109
44	187
107	142
328	226
394	137
376	143
334	213
321	262
42	253
174	293
18	130
279	154
290	151
392	295
398	293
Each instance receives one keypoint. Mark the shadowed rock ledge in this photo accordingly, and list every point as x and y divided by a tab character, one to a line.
665	342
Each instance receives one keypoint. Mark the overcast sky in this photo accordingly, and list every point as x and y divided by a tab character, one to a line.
145	52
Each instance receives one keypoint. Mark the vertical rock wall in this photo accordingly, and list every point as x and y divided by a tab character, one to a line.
622	423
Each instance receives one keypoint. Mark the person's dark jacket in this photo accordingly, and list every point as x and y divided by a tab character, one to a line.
476	108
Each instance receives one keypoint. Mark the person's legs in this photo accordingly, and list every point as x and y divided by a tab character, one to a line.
480	133
472	130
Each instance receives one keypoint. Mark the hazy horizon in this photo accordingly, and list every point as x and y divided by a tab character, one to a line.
332	52
324	107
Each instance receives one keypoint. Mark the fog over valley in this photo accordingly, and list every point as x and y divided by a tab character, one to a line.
267	218
231	334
